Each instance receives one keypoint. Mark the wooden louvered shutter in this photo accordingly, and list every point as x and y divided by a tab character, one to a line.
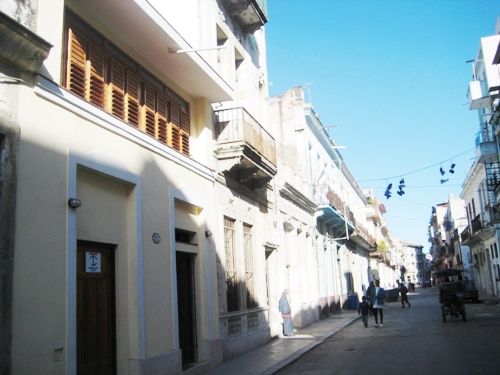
149	109
185	131
174	126
77	61
161	113
96	81
117	89
132	98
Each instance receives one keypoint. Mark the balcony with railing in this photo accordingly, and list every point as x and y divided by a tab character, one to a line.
476	224
246	152
250	14
465	235
486	147
478	94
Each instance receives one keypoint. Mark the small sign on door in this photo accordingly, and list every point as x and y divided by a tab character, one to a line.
92	262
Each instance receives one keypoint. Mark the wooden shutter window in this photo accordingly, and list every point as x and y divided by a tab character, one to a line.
149	110
117	88
162	117
96	63
77	59
99	73
132	98
174	126
185	130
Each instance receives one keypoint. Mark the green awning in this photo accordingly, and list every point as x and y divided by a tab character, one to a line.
331	221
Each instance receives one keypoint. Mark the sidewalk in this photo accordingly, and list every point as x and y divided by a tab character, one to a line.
270	358
489	299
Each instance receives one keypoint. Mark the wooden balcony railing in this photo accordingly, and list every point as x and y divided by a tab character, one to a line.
236	125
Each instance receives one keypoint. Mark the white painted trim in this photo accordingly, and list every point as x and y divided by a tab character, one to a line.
65	99
195	198
75	160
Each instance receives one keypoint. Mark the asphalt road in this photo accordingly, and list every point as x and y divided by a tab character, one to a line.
412	341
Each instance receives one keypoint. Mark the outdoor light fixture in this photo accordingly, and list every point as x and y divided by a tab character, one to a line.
74	202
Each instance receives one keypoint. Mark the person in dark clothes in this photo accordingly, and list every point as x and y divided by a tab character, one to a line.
363	310
403	290
378	298
369	294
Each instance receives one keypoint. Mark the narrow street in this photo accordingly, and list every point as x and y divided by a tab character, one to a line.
412	341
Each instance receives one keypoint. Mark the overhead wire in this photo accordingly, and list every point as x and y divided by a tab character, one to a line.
420	169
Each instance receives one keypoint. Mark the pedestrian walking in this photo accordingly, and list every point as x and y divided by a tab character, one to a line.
363	310
403	290
369	295
286	312
378	297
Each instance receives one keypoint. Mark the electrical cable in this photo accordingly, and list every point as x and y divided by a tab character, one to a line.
418	170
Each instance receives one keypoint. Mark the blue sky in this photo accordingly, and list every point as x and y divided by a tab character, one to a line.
392	77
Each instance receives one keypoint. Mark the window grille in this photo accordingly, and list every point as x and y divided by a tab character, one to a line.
230	263
249	266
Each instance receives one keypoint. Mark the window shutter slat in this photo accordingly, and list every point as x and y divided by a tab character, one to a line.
174	127
161	103
117	84
185	131
96	94
75	80
150	110
132	98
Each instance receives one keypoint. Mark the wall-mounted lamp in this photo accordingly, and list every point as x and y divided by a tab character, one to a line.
74	202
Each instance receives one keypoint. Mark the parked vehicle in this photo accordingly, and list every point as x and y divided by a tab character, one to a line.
392	295
470	291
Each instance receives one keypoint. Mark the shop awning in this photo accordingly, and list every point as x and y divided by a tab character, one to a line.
331	221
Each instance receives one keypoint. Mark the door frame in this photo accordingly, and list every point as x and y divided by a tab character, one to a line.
76	161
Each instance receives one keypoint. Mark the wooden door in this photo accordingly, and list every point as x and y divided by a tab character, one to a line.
186	308
96	322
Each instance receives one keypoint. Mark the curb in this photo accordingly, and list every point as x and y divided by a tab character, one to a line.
295	356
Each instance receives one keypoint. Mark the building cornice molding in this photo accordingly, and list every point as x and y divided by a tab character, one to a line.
20	47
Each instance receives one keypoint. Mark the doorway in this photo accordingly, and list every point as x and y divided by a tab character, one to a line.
186	308
96	316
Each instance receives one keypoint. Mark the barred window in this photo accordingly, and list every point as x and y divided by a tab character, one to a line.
230	263
98	72
249	266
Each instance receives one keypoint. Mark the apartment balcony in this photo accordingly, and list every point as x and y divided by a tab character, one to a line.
479	231
494	214
246	152
250	14
465	235
362	237
373	213
486	149
478	95
495	116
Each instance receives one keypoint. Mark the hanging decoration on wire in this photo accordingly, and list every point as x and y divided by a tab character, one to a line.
388	193
402	183
443	172
400	191
400	187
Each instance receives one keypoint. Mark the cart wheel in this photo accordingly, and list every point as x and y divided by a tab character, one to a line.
443	313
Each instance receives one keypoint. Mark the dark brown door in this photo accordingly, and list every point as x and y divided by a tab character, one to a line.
186	308
96	338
